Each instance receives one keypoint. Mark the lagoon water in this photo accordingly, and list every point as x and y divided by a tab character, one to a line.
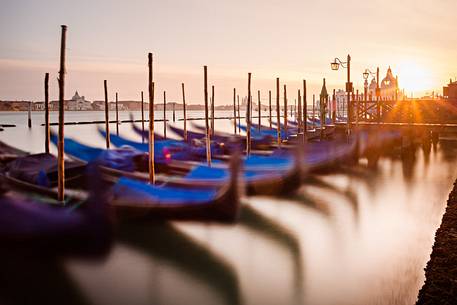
357	236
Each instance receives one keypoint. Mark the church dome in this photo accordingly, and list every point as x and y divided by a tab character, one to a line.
389	81
76	96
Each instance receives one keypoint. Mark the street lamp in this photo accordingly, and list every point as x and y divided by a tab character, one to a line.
346	64
366	74
335	65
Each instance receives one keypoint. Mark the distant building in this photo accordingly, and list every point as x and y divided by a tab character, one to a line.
169	106
341	97
69	105
194	107
389	85
54	105
372	88
78	103
450	91
132	105
38	106
14	105
98	105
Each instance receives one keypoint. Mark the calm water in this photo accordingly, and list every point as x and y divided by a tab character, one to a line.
359	236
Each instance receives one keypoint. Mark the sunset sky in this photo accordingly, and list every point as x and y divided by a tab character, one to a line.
293	40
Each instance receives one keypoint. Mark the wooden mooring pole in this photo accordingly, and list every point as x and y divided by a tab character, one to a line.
293	110
208	136
357	109
60	143
212	110
234	110
151	122
299	118
174	113
239	114
210	116
165	114
248	117
314	105
184	111
142	117
305	112
278	113
107	137
269	107
117	115
378	97
46	113
29	115
260	109
285	111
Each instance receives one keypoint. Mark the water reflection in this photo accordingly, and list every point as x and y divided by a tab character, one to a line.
304	198
162	240
28	280
408	158
359	234
348	193
448	149
274	231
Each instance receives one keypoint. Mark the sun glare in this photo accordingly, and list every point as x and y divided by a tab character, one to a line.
414	78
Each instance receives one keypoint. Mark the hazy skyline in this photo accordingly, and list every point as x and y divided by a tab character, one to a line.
292	40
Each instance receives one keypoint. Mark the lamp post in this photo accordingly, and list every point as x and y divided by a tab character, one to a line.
378	96
366	74
347	64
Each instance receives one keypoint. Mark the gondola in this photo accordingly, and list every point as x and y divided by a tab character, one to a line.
38	173
261	162
317	154
135	198
228	141
9	153
312	133
262	175
329	126
173	149
220	141
40	226
256	133
191	135
144	133
272	175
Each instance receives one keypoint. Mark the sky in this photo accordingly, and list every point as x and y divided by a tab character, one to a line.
292	40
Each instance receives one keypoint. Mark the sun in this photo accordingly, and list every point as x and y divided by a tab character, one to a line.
414	78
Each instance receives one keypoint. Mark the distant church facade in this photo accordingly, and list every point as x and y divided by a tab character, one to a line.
76	103
388	86
79	103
